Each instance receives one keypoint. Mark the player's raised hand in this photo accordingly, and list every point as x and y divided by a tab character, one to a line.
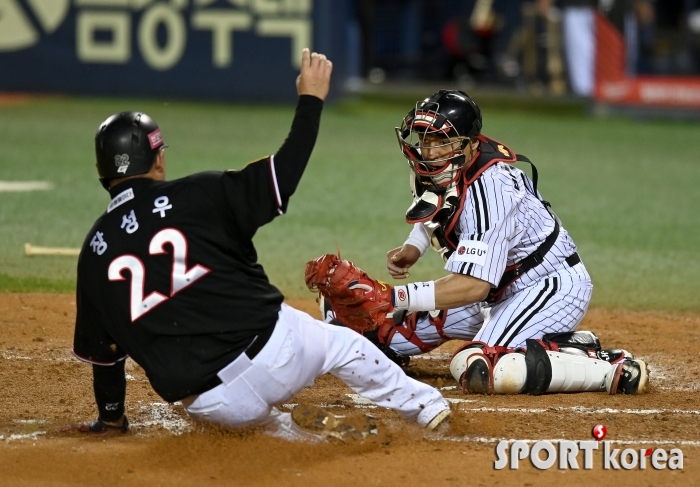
400	259
315	77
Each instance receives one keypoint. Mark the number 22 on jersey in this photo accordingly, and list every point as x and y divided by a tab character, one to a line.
181	276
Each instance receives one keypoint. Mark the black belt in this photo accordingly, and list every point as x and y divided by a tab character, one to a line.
259	341
513	273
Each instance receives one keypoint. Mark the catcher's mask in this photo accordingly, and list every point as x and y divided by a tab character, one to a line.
447	118
126	144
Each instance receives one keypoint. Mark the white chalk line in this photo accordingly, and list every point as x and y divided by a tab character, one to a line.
19	186
30	436
578	410
364	403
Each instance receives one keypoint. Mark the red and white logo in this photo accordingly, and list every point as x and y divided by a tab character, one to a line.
461	250
155	138
599	432
402	295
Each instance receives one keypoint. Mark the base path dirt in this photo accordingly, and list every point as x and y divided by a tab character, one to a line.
44	388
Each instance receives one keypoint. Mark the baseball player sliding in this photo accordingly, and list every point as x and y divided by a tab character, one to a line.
168	276
516	288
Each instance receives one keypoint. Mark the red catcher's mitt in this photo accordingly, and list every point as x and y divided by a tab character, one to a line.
359	302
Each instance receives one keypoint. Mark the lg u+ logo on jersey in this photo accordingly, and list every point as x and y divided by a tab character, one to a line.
544	455
471	251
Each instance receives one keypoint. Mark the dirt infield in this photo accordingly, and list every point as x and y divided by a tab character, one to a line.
44	388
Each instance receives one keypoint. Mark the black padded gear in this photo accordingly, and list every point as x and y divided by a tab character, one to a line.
126	145
477	377
583	340
539	368
629	377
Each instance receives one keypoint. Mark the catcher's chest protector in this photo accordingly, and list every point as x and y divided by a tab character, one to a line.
439	213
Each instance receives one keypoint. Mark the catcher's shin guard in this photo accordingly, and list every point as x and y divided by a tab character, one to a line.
577	373
496	370
473	367
629	376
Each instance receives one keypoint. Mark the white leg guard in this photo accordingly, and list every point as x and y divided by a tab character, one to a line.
473	369
535	372
576	373
510	374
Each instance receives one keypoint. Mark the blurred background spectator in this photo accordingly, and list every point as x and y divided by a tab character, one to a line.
536	45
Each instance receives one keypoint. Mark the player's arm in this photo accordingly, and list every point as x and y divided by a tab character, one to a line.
480	259
92	344
260	192
313	84
459	290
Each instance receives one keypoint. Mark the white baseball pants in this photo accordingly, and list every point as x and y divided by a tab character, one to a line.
556	303
300	349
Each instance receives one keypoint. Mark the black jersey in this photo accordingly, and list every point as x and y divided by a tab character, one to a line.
169	274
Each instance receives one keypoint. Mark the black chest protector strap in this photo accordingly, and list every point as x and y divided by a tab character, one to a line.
513	272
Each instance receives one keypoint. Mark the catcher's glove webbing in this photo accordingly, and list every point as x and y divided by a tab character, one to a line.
359	302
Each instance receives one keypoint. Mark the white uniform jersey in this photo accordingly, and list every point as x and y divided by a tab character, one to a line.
501	223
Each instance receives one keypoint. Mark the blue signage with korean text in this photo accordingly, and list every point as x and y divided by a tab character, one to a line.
219	49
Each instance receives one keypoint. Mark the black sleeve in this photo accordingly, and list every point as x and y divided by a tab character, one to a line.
91	342
109	384
291	158
260	191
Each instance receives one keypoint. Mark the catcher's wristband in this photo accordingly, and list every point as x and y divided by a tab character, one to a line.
417	296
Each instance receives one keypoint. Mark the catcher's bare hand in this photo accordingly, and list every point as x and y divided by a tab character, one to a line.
100	428
315	77
400	260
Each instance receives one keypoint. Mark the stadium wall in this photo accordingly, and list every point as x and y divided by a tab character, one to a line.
209	49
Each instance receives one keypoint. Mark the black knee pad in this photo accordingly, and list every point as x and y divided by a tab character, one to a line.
539	368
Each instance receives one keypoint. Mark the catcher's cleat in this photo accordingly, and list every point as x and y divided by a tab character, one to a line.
613	355
99	428
441	419
318	421
630	376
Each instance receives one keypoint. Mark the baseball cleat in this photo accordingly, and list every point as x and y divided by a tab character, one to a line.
99	428
318	421
630	376
441	418
613	355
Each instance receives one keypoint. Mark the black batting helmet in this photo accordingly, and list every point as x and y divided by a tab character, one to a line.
126	144
448	114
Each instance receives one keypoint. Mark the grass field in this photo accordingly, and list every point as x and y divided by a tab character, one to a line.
626	190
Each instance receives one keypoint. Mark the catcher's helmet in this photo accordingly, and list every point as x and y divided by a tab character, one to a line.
448	114
126	145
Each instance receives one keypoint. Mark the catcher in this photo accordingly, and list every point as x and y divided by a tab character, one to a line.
517	288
